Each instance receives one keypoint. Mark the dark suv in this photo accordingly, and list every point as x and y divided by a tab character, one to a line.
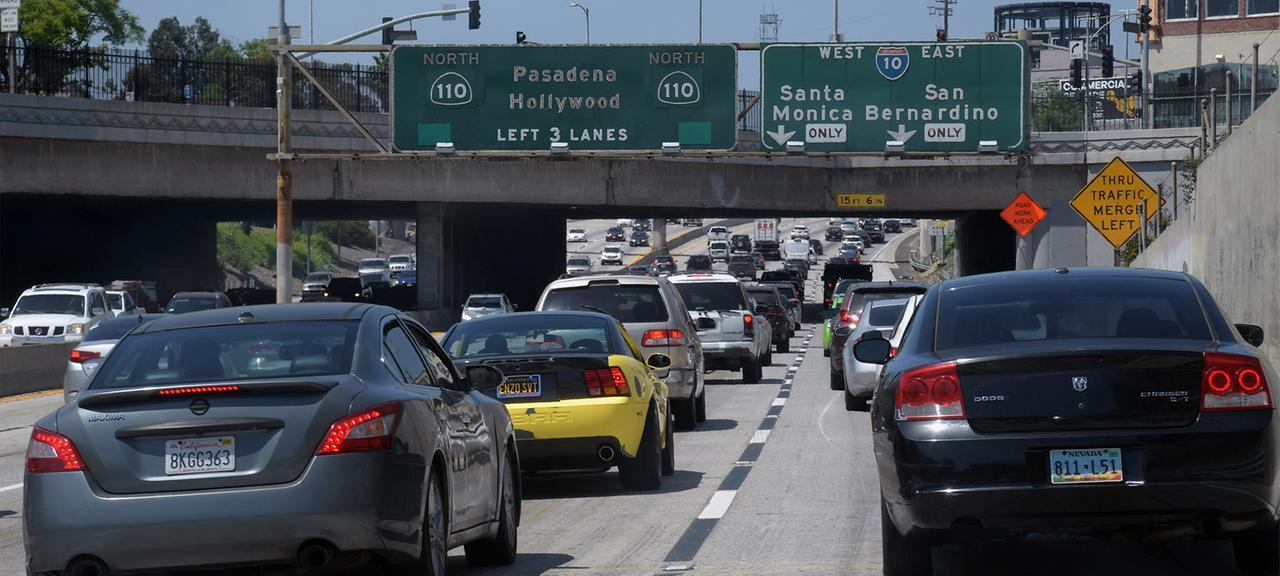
698	262
892	225
874	230
770	304
834	234
742	266
740	244
664	264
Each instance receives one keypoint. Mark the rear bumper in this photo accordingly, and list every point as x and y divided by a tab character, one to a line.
566	453
1220	473
620	419
727	355
354	501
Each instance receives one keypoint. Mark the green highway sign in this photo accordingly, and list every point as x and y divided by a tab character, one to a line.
633	97
944	97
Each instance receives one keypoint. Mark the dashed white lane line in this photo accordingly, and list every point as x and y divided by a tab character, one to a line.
11	487
779	401
718	505
760	436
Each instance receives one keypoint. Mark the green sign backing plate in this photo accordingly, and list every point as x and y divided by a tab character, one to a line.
944	97
625	97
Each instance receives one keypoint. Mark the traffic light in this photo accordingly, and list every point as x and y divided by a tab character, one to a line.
941	35
1077	73
521	38
474	21
1108	61
1134	82
1144	18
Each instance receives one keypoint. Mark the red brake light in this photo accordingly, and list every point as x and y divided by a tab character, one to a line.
673	337
82	356
748	324
368	431
930	393
1233	382
188	390
606	382
51	452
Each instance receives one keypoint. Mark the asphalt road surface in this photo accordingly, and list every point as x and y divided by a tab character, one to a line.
779	480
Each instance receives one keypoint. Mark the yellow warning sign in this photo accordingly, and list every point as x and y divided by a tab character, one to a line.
860	200
1115	201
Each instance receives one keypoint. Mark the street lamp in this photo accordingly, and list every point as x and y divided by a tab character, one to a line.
587	12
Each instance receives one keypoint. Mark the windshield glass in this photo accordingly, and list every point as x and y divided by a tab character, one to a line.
115	301
319	277
704	296
1070	308
627	303
229	353
373	263
72	304
484	302
400	260
191	304
531	333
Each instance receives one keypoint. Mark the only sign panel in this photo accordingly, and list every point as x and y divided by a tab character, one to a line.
1115	201
590	97
943	97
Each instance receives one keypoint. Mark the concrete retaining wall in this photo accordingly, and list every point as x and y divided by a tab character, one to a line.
1232	239
32	368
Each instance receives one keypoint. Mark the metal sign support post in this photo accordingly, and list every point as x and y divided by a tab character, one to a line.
13	66
284	168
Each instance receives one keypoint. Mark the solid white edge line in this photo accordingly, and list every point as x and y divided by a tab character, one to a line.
11	487
718	505
760	436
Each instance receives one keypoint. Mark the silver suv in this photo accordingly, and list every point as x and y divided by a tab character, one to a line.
655	318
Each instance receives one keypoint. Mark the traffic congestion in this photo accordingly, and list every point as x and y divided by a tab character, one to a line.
338	435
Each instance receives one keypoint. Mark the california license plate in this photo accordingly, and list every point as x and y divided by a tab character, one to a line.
1085	466
521	386
199	455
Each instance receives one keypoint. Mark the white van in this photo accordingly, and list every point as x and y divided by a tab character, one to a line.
796	249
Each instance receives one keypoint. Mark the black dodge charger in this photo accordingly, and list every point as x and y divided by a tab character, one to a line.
1110	402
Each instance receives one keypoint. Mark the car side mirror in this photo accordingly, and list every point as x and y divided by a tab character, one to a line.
4	312
484	377
873	351
658	361
703	324
97	311
1251	333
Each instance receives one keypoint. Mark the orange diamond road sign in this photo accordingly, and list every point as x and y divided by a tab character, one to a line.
1114	201
1023	214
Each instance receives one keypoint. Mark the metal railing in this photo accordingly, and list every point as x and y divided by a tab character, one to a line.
135	76
750	121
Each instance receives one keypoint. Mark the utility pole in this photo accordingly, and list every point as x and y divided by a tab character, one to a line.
835	21
943	8
699	21
284	167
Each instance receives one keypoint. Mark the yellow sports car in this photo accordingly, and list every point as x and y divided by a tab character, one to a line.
580	394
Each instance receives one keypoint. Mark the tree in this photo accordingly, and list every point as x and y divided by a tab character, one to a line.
68	25
178	70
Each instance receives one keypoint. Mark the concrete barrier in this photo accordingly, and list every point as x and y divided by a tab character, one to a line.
26	369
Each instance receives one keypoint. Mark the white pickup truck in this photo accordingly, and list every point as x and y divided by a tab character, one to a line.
733	336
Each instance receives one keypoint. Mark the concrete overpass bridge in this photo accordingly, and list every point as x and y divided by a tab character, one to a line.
153	179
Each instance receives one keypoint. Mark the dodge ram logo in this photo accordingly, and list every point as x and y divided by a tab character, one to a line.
1080	383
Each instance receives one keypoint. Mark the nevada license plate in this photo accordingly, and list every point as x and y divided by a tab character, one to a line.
199	455
1085	466
521	386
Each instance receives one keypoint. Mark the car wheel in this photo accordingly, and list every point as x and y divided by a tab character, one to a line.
853	403
501	549
767	360
669	451
644	472
702	406
433	558
837	380
1258	550
686	414
785	345
751	371
903	555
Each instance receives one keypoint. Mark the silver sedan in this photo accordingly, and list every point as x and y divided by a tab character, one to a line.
313	435
889	317
86	357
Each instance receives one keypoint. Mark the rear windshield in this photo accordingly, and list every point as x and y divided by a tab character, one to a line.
704	296
766	297
486	301
718	245
184	305
1067	308
787	291
229	353
529	334
747	259
627	303
579	262
72	304
885	315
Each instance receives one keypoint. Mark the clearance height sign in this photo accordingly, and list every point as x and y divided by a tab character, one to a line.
944	97
591	97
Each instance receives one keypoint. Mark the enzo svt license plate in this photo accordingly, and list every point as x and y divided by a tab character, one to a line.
1084	466
521	386
197	455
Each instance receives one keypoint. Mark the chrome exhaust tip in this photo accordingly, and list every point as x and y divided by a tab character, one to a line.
606	453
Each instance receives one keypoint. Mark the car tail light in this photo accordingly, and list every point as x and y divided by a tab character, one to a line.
606	382
930	393
673	337
51	452
1233	382
189	390
82	356
748	324
893	351
368	431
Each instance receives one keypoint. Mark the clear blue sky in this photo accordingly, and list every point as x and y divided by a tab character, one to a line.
612	21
